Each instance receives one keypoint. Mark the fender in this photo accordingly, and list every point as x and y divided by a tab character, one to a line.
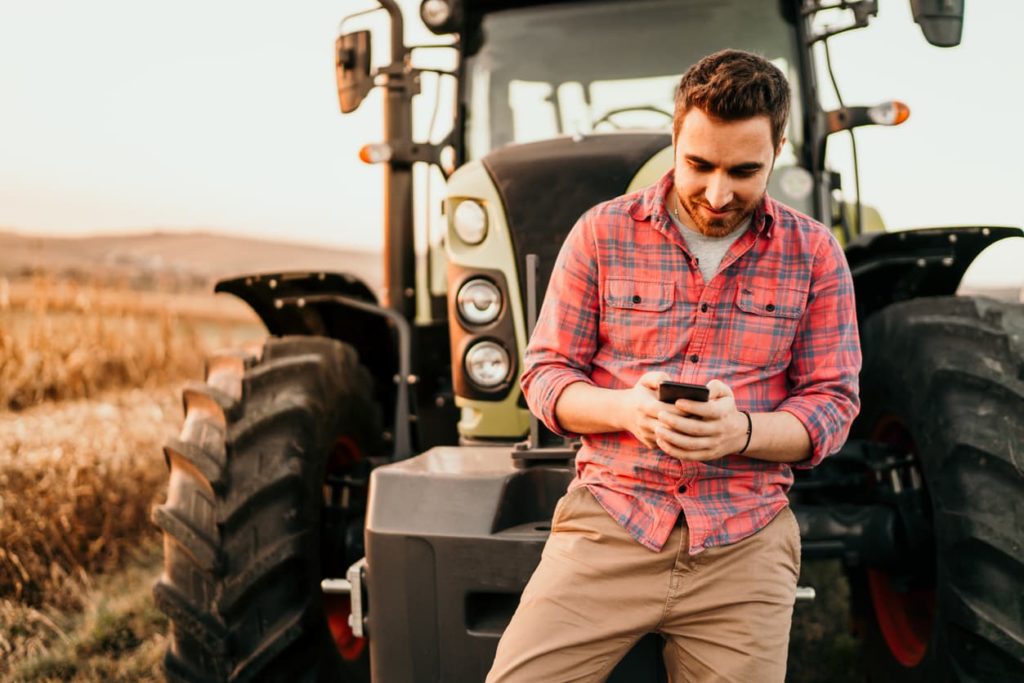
303	303
895	266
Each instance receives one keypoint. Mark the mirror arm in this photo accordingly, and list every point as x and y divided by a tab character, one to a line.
424	152
361	13
439	72
396	76
435	46
398	49
862	10
831	34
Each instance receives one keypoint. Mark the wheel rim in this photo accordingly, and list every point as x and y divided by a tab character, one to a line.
905	617
338	608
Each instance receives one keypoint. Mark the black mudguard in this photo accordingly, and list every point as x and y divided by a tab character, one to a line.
409	363
370	333
260	290
896	266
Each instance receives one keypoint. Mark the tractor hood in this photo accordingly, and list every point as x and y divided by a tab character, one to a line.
546	186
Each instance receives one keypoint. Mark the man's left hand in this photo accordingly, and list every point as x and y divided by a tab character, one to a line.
696	430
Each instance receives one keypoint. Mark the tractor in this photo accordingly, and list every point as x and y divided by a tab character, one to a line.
364	494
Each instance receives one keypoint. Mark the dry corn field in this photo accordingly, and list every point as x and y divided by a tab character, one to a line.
62	340
89	385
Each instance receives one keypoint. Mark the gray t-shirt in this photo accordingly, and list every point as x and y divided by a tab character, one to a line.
709	251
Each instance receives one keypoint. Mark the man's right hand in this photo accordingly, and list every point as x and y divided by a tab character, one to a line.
641	407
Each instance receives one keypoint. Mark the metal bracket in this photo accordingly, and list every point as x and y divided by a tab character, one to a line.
356	575
336	586
863	11
805	593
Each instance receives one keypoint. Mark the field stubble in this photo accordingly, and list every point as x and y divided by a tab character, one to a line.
89	391
63	340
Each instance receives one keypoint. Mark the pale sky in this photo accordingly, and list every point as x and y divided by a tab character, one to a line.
121	115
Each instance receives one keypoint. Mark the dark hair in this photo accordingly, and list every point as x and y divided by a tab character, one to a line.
731	85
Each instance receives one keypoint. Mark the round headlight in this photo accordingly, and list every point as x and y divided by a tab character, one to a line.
479	302
487	364
435	12
470	221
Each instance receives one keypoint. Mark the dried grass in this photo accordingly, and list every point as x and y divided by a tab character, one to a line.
89	380
63	340
77	481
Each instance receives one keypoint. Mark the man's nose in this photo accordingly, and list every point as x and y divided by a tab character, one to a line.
719	191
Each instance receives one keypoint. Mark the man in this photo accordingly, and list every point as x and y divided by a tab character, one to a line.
677	521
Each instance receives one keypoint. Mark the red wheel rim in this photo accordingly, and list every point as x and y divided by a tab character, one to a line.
905	617
338	609
345	453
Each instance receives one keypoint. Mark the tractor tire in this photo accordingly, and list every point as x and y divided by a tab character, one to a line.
943	380
243	548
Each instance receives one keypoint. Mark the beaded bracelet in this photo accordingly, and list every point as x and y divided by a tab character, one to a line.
750	429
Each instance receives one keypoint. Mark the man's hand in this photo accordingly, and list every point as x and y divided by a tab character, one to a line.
695	430
641	408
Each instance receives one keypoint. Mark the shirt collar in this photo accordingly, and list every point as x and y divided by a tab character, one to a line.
650	204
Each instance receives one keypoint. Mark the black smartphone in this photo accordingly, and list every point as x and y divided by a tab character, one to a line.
670	392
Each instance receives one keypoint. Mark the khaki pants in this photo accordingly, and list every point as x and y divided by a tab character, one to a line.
725	613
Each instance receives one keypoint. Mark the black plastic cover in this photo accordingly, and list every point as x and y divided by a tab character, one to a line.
546	186
452	537
896	266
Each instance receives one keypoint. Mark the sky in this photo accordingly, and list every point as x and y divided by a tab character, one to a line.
118	115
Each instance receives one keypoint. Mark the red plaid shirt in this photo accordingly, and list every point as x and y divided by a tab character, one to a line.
777	323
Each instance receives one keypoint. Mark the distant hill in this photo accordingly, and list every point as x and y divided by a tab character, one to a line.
1012	294
186	258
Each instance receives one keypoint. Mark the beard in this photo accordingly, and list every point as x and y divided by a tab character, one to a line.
698	210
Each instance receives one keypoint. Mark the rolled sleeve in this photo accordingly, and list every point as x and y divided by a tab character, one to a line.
826	357
565	339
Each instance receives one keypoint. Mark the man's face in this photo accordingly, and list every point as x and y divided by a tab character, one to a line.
721	170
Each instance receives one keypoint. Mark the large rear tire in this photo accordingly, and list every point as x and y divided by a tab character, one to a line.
943	380
244	552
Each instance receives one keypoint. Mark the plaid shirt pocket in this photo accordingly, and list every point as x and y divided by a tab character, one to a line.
764	323
638	318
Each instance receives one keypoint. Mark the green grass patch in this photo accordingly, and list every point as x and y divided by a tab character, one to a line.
118	637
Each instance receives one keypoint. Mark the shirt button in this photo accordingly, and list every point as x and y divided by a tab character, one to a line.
636	298
703	308
694	358
770	307
682	488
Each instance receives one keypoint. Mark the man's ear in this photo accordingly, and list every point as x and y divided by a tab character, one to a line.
778	150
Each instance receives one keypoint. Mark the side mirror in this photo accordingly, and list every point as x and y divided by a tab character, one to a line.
352	69
942	21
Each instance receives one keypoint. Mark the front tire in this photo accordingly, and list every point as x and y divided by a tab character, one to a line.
244	552
943	381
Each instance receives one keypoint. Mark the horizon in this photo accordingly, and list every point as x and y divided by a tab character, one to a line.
185	233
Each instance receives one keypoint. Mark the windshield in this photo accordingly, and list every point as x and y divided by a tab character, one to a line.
578	68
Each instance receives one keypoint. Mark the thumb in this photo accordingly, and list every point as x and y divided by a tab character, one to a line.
718	389
651	380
